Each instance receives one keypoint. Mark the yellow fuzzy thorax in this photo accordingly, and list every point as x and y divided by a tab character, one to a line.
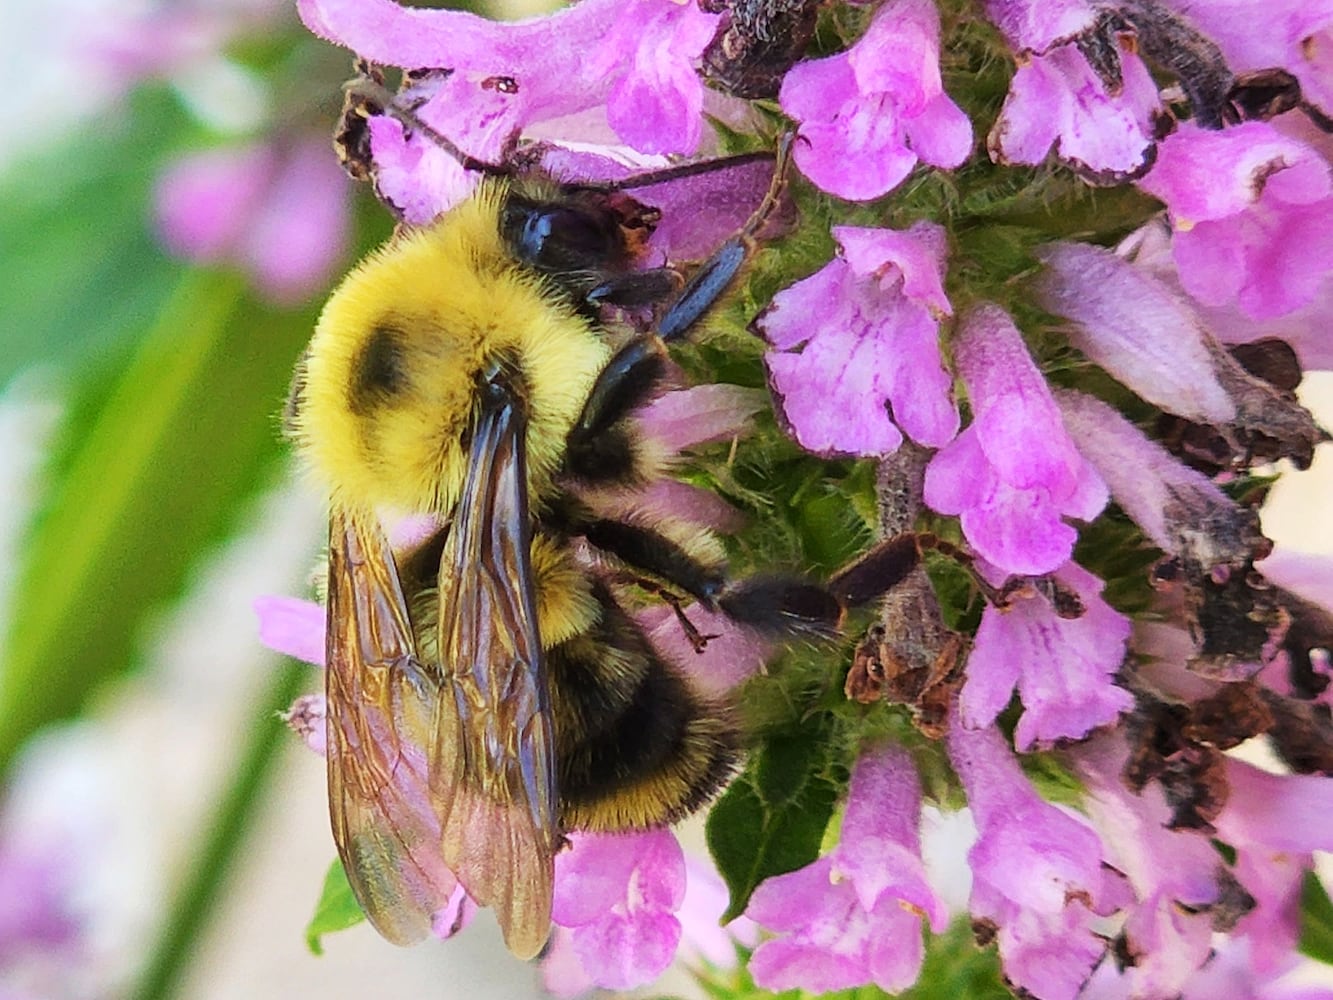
452	301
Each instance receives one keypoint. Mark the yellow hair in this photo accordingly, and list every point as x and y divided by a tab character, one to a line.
453	300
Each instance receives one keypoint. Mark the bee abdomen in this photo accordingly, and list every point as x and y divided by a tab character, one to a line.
637	745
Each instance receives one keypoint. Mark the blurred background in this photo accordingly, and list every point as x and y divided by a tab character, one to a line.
172	216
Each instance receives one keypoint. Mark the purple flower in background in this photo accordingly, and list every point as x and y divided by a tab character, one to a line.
1064	668
1013	475
1253	216
1037	871
854	916
856	357
279	213
868	114
1057	99
618	893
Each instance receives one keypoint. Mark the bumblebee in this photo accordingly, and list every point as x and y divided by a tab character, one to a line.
489	688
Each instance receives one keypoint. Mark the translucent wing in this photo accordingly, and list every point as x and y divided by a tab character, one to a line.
493	769
382	707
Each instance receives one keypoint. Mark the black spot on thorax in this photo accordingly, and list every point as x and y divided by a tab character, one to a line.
378	371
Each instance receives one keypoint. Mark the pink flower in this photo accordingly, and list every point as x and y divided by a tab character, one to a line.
868	114
1136	327
1014	474
1181	511
278	213
618	893
1064	668
1172	875
291	626
1295	35
1253	216
856	346
1037	871
1275	822
630	61
1037	25
1057	99
854	916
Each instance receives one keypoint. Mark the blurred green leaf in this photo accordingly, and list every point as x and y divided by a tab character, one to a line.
772	818
83	272
336	910
145	480
1316	920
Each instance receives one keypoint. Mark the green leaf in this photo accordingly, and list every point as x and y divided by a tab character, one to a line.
1316	920
772	818
336	910
82	267
152	466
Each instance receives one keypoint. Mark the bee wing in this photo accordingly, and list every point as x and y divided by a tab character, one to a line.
381	713
493	769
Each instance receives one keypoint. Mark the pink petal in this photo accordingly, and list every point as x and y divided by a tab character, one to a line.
292	627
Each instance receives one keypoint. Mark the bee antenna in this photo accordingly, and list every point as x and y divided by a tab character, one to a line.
374	92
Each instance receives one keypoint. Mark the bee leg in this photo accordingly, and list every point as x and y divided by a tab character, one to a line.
708	284
596	450
637	288
692	634
655	554
883	567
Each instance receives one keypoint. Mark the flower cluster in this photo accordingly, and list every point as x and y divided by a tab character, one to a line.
1085	417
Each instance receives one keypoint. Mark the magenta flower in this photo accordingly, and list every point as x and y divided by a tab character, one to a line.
1014	474
868	114
1136	327
1037	871
630	62
1037	25
1181	511
618	893
1305	329
1056	99
1064	668
856	350
1292	34
279	214
1276	822
1253	216
1173	875
854	916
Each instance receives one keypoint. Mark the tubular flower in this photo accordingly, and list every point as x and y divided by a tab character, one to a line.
1014	474
1056	99
1063	667
854	916
1259	232
483	82
868	114
856	359
1037	871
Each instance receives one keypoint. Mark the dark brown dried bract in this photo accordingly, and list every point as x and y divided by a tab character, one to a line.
756	43
1270	421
